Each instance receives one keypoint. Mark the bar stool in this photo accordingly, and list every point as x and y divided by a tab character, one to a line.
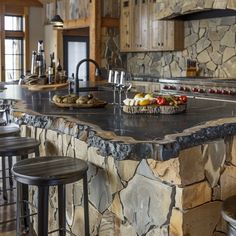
229	214
15	146
50	171
6	131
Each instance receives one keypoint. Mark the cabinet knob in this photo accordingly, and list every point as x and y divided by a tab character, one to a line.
162	44
158	44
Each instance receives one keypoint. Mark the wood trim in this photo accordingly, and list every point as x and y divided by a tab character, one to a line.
14	10
59	52
79	23
77	32
2	44
95	35
26	41
110	22
14	34
25	3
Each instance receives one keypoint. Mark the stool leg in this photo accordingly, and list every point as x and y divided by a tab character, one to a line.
36	152
6	115
25	197
18	208
4	179
25	208
62	209
86	206
43	211
10	174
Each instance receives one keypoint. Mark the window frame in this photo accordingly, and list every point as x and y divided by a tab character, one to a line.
12	10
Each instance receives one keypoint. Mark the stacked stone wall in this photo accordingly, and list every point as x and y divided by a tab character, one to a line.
181	196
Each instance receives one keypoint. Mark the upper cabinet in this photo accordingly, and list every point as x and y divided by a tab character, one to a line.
140	25
125	26
140	29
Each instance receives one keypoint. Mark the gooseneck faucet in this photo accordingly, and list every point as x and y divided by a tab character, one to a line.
97	72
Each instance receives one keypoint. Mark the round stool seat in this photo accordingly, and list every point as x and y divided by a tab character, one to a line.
44	172
9	130
49	170
14	146
229	210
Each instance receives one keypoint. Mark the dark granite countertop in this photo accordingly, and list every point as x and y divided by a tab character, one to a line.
167	133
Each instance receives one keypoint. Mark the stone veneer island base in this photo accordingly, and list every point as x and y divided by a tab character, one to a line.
178	197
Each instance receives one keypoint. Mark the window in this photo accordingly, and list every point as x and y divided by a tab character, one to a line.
14	51
13	23
13	58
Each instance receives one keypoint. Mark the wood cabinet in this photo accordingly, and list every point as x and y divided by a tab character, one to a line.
140	25
125	25
140	29
164	35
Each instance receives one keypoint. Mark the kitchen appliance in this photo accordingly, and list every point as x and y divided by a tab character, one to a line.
199	87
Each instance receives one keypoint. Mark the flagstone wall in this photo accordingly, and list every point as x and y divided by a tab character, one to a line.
181	196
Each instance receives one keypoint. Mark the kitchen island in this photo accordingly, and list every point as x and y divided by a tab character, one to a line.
148	175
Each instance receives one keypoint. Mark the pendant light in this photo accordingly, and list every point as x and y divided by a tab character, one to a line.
56	21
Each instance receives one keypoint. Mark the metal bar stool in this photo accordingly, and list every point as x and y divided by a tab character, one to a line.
229	214
17	146
7	131
50	171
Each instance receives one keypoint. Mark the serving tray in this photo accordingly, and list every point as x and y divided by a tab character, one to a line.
154	109
40	87
74	105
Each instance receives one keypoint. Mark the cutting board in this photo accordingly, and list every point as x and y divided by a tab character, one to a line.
74	105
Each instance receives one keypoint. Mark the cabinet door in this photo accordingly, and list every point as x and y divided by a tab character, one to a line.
164	35
156	28
139	23
125	26
144	25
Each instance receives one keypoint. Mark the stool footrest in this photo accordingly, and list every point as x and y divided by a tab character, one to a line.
8	189
65	230
12	220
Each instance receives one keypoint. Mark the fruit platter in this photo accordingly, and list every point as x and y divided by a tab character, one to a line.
149	104
72	100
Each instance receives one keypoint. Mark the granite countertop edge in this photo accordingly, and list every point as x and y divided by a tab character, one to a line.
122	148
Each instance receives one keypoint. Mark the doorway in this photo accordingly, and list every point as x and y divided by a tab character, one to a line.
76	48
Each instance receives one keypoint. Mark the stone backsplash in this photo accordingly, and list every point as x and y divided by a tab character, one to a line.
211	42
110	50
181	196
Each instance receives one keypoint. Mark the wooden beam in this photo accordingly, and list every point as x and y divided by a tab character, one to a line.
25	3
110	22
95	35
